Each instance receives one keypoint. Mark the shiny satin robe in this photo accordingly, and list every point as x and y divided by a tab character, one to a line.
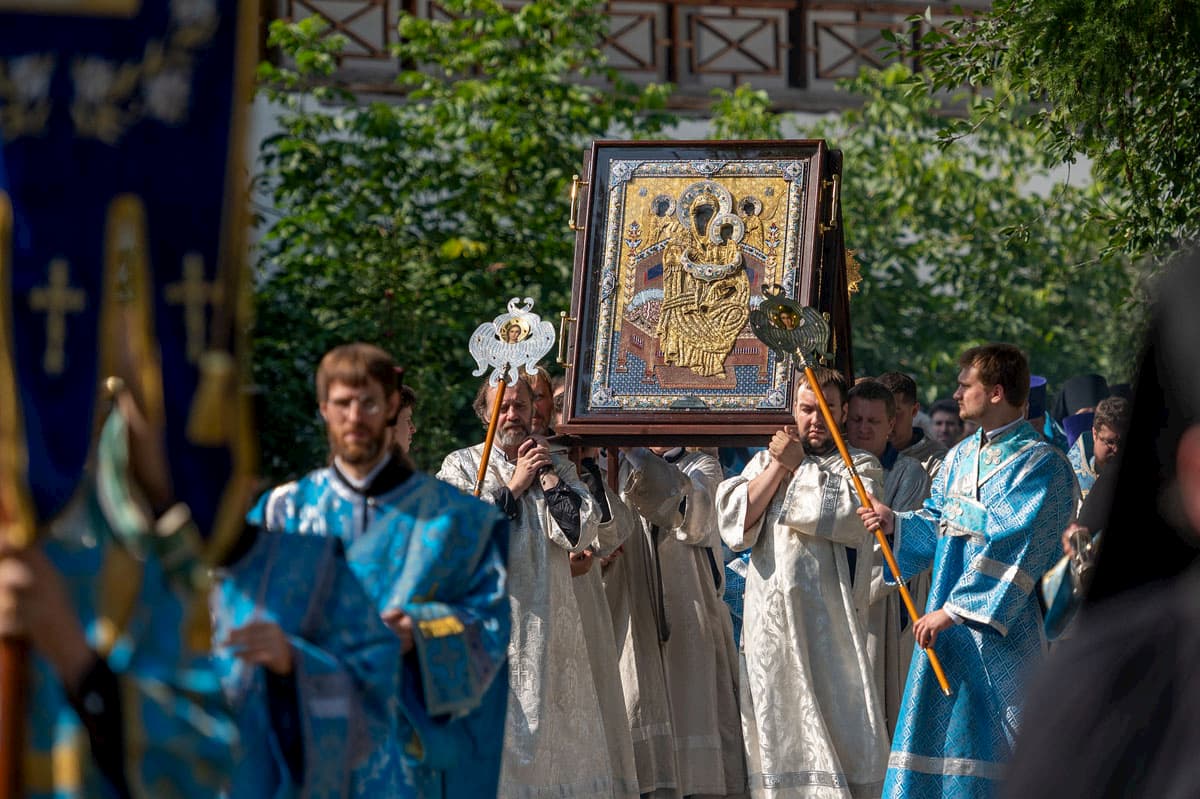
632	590
990	528
889	629
927	451
602	648
419	545
1083	462
177	728
699	654
814	727
554	742
345	680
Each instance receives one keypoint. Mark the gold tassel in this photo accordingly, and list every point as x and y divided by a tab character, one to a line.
854	275
209	423
198	629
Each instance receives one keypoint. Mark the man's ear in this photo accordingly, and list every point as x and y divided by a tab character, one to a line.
916	409
1187	474
324	414
997	396
393	408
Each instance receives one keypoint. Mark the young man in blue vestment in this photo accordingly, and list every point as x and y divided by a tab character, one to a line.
432	562
1096	448
991	529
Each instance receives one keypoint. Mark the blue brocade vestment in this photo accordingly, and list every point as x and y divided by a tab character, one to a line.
991	528
177	733
337	706
420	545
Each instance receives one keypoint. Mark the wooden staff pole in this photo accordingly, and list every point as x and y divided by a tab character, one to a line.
14	658
14	685
493	423
14	651
865	499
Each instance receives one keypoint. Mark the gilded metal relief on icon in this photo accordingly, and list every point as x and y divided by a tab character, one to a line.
687	248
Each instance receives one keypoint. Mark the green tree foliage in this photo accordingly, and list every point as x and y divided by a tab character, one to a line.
407	224
744	113
968	242
1114	80
959	246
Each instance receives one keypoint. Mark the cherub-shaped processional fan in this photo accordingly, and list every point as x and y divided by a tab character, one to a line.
800	332
512	341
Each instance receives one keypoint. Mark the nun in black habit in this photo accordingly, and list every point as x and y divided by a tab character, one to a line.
1115	710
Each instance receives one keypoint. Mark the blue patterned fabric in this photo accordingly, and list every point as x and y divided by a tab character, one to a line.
346	683
428	549
178	731
991	528
1083	462
736	565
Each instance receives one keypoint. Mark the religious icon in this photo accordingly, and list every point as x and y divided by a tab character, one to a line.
513	331
679	243
515	340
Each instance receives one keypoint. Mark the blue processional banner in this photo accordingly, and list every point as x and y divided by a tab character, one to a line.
122	241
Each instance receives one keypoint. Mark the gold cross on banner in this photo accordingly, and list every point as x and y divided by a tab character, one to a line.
56	300
195	295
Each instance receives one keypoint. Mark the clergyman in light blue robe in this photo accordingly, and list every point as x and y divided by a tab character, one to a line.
420	545
325	730
991	528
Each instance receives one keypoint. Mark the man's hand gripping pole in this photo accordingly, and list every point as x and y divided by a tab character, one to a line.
493	423
796	331
865	499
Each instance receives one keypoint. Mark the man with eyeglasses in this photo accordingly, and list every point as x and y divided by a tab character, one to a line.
429	558
1094	450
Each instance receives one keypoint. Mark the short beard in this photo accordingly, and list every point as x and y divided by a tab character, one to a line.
367	453
824	449
510	439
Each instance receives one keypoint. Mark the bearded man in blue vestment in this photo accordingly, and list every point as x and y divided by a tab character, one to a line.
991	529
432	562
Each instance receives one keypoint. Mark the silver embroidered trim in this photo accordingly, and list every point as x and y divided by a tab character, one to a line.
797	779
829	503
961	532
947	766
1004	572
648	731
978	618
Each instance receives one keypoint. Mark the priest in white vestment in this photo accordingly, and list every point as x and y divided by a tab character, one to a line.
633	587
890	642
616	523
554	742
812	719
673	491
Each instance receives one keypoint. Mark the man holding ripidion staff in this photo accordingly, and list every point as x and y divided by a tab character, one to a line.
991	529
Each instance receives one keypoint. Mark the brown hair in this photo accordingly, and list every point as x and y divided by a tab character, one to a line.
901	384
875	390
480	404
356	365
537	376
1000	365
408	397
831	377
1114	413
